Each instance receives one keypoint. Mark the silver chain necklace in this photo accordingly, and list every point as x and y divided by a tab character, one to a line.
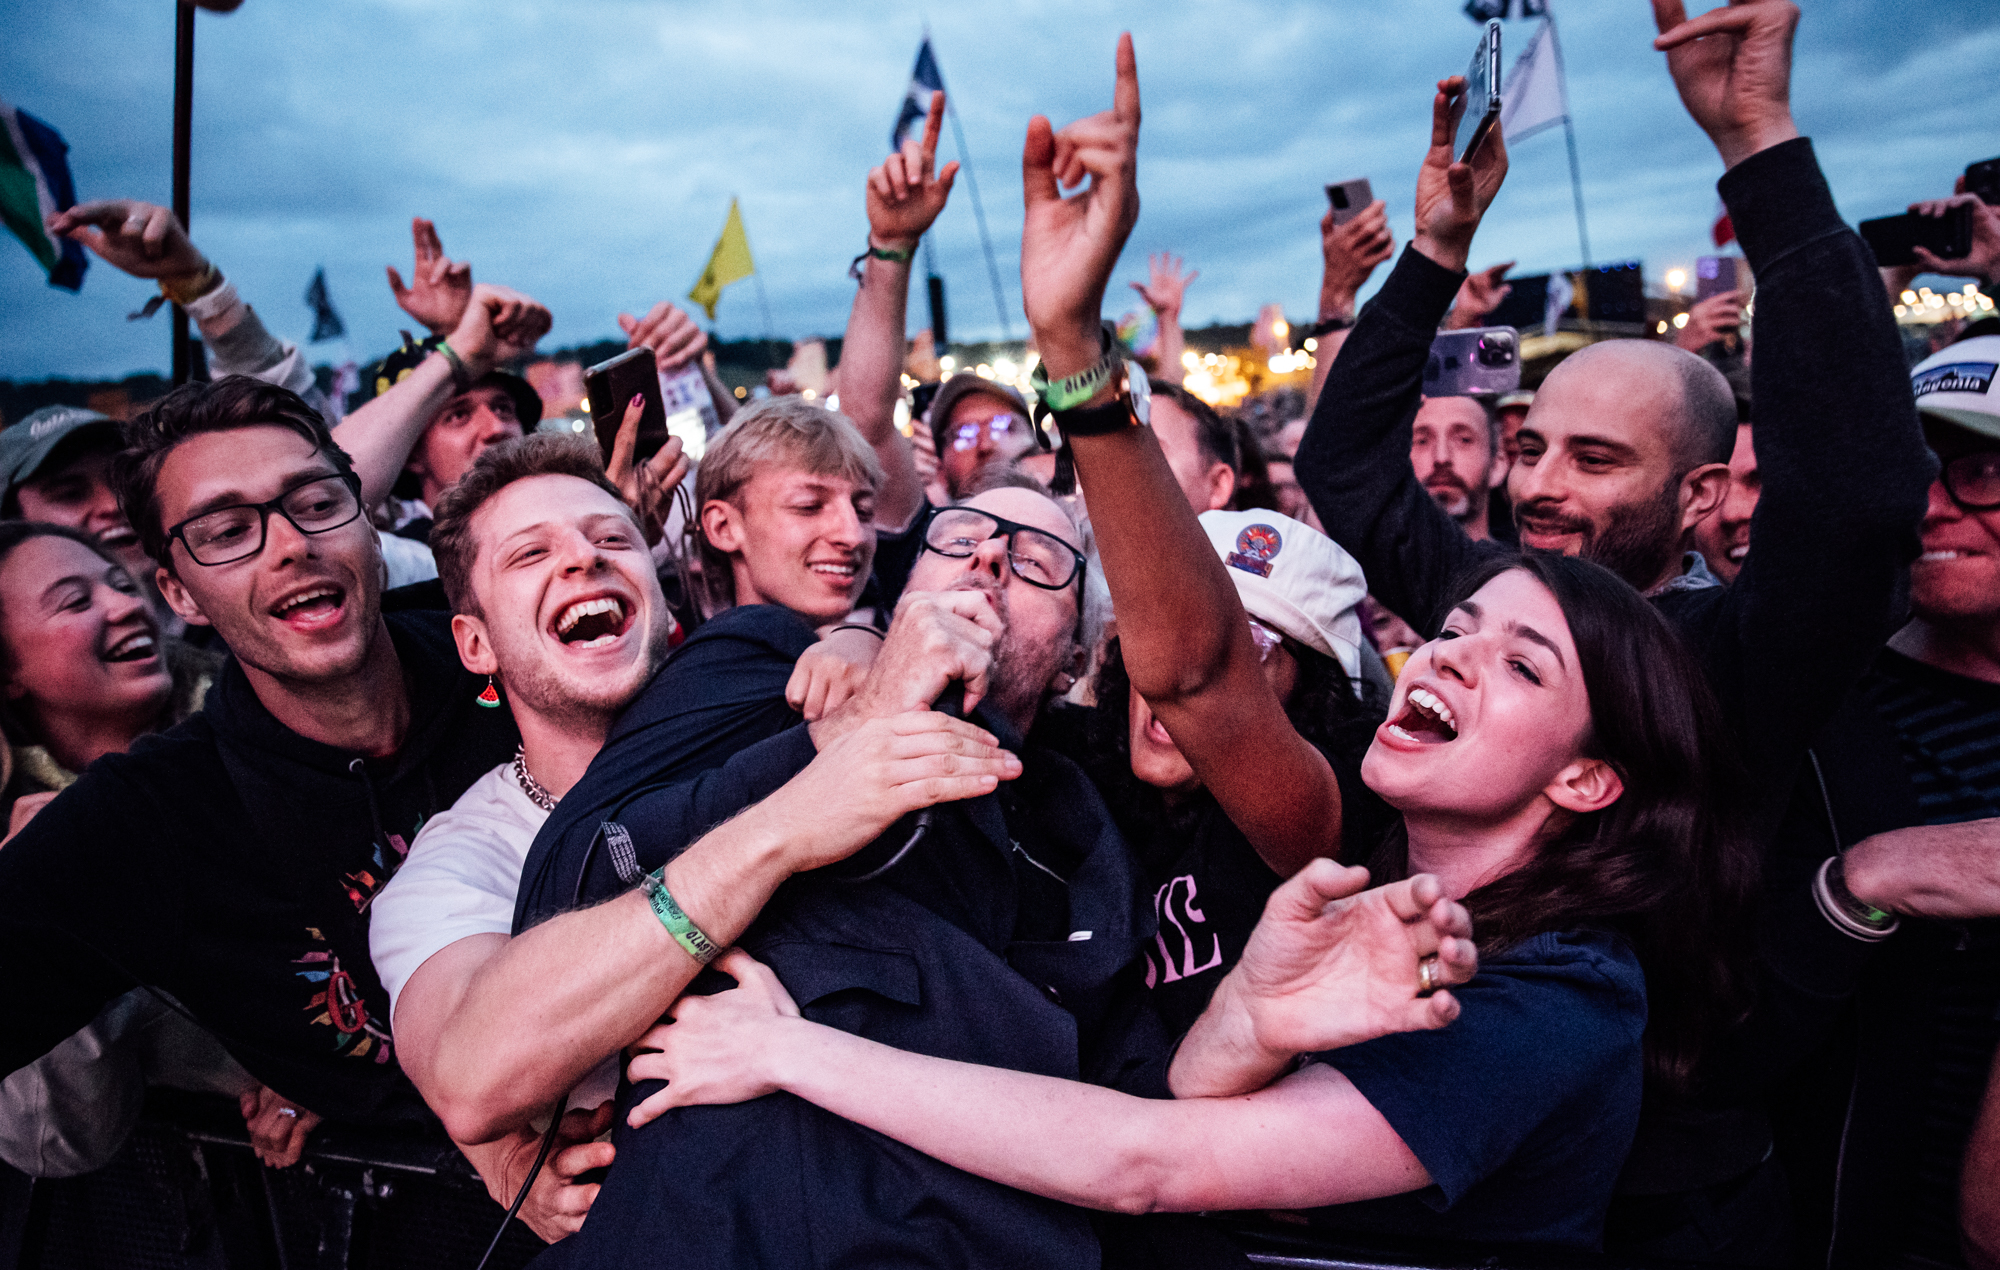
529	785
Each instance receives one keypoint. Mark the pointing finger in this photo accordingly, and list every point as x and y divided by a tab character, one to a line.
932	125
1125	99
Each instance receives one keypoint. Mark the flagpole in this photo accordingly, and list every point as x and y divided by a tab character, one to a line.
757	276
979	214
183	359
1569	135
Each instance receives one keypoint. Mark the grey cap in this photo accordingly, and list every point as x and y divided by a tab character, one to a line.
27	444
956	389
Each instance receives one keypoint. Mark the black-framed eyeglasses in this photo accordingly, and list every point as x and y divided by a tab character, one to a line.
1973	480
237	532
1037	557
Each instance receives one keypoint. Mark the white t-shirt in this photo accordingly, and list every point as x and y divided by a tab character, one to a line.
461	879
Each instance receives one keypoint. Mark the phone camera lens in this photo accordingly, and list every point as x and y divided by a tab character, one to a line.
1495	350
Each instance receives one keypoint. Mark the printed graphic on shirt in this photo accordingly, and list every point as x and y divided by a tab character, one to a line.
1183	949
364	884
1256	547
339	1003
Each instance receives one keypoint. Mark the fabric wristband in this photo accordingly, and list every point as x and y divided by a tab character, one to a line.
461	378
204	282
880	253
1844	909
688	935
1075	390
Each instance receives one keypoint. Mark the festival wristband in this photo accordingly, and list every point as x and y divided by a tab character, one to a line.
1077	389
1851	914
688	935
461	378
889	254
199	285
1327	326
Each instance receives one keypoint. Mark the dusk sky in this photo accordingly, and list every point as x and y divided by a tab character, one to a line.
586	152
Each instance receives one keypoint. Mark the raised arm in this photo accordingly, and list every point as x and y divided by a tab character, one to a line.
1163	291
1349	254
905	194
1354	462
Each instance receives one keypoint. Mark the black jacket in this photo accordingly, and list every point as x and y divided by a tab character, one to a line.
230	861
1845	479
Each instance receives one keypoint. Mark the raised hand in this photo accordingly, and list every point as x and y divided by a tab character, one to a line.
906	193
1069	246
1480	294
646	486
1453	197
713	1051
142	239
1983	261
1351	252
498	324
671	334
1718	317
1733	68
1166	286
441	287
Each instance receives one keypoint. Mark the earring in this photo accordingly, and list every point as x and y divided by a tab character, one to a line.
489	696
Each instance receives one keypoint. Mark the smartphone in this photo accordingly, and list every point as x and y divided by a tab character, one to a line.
1483	361
1983	178
609	385
1481	103
1894	239
1714	275
1349	199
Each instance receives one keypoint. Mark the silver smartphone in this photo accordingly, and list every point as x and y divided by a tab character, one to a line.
1349	199
1482	362
1480	107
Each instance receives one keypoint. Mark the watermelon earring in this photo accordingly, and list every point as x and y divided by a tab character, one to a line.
489	696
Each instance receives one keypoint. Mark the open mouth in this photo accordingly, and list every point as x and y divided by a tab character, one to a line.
1425	718
1942	556
593	623
1737	555
138	646
313	607
119	538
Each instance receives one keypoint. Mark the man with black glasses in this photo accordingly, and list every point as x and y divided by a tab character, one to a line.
231	861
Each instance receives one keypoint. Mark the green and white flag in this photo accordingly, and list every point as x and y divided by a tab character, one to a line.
34	182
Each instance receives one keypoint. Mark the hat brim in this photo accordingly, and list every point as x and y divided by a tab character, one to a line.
1979	421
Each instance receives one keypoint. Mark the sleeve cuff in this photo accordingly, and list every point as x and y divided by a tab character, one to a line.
1777	200
1418	291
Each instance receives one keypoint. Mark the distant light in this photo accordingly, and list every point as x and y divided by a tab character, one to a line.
1312	345
833	401
947	362
576	425
741	394
584	405
1677	278
1902	310
983	371
1680	321
1909	297
1662	329
1281	328
1190	361
808	394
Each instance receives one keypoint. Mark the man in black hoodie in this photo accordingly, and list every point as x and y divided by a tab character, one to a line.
231	860
1623	451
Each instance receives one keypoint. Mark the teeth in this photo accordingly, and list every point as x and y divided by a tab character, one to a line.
132	646
1739	554
837	570
588	608
1431	705
1402	732
1935	556
305	597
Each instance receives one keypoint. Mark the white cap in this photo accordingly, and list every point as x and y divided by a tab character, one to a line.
1958	385
1293	578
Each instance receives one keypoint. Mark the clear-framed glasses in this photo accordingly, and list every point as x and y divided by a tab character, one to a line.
236	532
1038	558
1265	638
1002	427
1973	480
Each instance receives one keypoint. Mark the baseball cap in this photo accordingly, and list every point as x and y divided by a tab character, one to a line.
396	367
1293	578
1957	385
961	386
1519	397
26	445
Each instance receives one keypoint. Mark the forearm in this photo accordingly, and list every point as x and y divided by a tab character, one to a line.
497	1163
718	393
1220	1056
1948	871
380	435
558	999
1979	1183
871	368
1169	348
1326	349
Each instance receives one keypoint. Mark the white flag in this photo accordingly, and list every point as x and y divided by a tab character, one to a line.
1533	98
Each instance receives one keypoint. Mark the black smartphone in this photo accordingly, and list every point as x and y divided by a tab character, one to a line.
1983	178
1482	362
1481	103
610	385
1349	199
1894	239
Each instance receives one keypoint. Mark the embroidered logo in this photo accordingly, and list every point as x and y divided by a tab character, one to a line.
1256	547
1973	377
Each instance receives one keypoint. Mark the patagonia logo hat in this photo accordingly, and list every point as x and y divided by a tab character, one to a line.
1960	385
27	444
1294	579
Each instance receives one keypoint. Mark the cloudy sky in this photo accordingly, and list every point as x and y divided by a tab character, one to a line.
586	152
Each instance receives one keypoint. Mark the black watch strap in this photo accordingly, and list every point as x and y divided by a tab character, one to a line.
1112	416
1327	326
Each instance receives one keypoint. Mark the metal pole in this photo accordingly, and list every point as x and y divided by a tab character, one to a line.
183	122
979	213
1569	135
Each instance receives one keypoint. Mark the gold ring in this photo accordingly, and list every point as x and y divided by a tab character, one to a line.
1427	976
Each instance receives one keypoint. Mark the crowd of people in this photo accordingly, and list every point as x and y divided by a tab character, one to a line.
1562	820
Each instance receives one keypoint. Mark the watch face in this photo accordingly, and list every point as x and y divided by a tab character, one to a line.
1139	391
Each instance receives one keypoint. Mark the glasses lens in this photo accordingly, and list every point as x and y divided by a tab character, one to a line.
966	438
321	505
1974	479
1264	638
957	532
1042	559
225	535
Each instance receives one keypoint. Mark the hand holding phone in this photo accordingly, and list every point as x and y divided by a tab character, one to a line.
1895	239
610	385
1349	199
1480	104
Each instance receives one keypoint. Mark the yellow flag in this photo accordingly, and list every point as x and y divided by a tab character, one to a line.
730	263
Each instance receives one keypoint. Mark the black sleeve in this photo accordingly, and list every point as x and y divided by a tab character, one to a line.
1845	471
664	820
1354	461
73	918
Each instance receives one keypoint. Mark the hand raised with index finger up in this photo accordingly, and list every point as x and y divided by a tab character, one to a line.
1069	246
906	193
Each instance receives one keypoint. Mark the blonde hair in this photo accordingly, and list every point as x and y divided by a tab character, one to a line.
783	429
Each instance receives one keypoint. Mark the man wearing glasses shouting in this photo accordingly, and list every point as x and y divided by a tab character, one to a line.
231	861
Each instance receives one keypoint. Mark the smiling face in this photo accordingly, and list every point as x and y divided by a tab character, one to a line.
1724	538
80	639
1487	717
305	608
570	614
1956	581
1040	637
75	490
468	425
801	539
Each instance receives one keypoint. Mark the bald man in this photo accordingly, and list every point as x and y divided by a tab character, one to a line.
1624	451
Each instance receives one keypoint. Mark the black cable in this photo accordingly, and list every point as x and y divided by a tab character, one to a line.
534	1171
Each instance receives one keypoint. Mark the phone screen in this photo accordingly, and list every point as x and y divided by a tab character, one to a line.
1482	94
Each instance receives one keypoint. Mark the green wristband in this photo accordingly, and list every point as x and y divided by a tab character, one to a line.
1075	390
672	916
461	378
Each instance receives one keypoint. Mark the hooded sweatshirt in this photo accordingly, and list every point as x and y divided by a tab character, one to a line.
231	861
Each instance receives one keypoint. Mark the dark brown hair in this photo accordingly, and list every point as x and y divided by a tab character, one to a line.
236	401
1214	435
1670	865
497	467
